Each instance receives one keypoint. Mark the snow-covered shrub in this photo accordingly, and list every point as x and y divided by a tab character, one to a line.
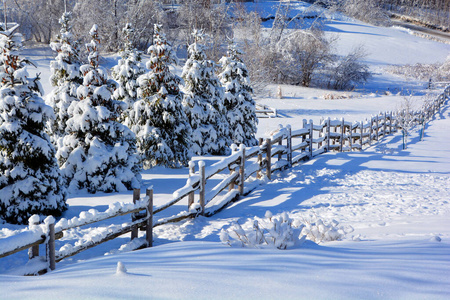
238	100
406	117
98	152
319	231
204	102
274	231
367	11
158	119
303	53
212	16
126	72
30	180
66	78
436	72
349	70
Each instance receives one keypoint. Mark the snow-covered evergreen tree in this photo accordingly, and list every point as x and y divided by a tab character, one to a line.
204	102
128	69
66	78
30	180
239	103
98	152
161	126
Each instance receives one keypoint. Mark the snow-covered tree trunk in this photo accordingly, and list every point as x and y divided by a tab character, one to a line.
238	102
204	102
30	180
99	152
158	119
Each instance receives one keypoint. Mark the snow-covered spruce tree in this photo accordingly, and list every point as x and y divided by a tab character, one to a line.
66	78
30	180
126	72
98	152
161	126
238	102
203	101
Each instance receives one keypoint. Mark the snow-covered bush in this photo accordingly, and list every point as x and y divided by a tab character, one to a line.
98	152
406	117
212	16
303	53
66	78
436	72
349	70
319	231
238	101
204	102
126	72
159	121
274	231
367	11
30	180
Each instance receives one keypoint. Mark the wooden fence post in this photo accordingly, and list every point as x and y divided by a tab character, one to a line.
268	158
390	122
134	230
34	250
342	134
350	140
361	134
280	155
377	124
191	194
260	158
311	137
242	170
289	145
149	227
201	165
328	134
371	131
51	258
384	124
304	139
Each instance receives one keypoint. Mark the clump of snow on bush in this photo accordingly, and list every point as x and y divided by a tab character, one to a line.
274	231
319	231
282	231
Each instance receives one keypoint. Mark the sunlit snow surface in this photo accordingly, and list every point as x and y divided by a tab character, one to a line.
393	202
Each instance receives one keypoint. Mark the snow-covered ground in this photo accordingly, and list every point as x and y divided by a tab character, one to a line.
392	204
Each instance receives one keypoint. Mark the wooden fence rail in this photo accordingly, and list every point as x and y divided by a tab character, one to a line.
281	150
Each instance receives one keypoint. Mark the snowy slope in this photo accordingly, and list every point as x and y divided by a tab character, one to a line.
396	201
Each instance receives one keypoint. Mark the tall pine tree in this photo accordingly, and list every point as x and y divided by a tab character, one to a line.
204	102
30	180
99	152
66	78
126	72
159	121
239	103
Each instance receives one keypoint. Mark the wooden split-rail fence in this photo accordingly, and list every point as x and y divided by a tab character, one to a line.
281	150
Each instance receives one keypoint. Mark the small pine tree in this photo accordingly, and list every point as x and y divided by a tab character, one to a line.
128	69
66	78
30	180
239	103
159	121
204	102
98	152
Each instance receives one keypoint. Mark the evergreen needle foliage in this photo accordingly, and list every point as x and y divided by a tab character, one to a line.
98	152
30	180
158	119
